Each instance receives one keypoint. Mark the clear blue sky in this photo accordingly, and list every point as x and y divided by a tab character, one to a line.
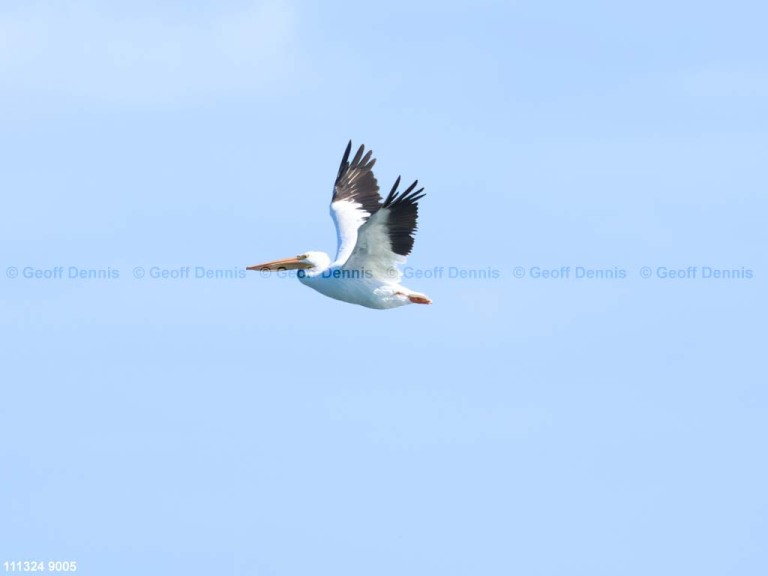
519	425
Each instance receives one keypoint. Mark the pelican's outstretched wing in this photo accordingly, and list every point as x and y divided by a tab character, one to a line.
386	238
355	198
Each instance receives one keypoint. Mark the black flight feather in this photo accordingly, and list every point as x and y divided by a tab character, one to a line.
403	213
355	181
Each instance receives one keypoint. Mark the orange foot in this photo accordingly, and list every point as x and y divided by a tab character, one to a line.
419	299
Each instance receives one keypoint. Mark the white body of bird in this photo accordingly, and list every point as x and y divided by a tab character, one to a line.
358	285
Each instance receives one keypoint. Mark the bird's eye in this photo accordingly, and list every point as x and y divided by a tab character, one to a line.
301	257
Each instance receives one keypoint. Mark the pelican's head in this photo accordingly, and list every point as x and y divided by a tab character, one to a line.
315	261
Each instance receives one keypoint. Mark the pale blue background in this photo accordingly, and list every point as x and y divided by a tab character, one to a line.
517	426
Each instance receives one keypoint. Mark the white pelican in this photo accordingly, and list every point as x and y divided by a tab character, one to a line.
373	237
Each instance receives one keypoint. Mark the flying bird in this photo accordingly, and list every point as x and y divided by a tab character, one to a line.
374	237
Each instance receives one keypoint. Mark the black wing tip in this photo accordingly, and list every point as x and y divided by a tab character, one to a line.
355	180
344	166
407	196
361	159
404	210
358	155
